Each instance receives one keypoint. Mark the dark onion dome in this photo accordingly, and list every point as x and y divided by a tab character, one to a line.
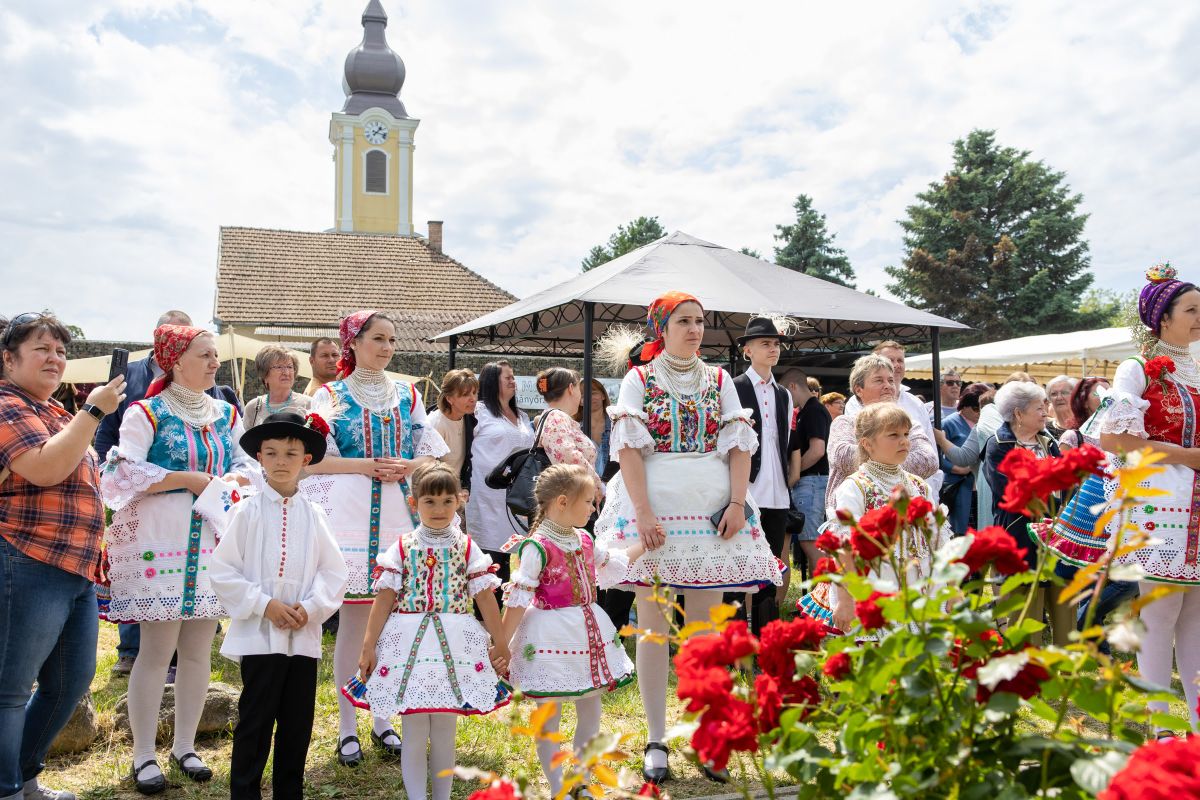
374	73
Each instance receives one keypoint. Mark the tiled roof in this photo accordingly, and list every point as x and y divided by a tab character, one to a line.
412	331
310	280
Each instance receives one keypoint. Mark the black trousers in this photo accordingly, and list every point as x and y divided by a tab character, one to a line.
763	606
279	693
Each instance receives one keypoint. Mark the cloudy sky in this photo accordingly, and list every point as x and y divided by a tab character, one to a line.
133	129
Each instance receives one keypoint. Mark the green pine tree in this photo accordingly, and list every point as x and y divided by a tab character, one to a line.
996	244
807	246
639	232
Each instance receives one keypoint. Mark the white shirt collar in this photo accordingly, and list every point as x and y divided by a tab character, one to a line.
269	492
756	378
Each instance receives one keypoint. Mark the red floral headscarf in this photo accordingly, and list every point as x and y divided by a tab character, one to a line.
656	320
170	343
349	329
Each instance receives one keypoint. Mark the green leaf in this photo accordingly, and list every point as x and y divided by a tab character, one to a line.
1138	682
1017	634
1042	709
1000	706
917	684
1161	719
1093	774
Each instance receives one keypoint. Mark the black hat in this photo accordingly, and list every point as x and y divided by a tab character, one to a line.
762	328
288	425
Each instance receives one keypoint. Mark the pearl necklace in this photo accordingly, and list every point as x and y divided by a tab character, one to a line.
1186	371
372	389
196	409
563	536
681	377
436	537
884	473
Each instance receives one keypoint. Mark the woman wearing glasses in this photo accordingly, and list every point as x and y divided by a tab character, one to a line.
277	367
1059	391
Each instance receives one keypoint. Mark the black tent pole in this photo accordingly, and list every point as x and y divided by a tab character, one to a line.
936	366
453	347
589	310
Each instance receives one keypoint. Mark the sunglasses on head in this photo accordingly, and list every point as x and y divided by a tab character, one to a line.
18	321
951	382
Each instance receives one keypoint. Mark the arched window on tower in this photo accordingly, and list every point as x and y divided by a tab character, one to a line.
376	172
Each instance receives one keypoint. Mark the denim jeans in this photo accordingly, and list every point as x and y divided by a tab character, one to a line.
48	629
808	496
130	640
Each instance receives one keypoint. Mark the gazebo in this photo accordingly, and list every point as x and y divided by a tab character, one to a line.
565	320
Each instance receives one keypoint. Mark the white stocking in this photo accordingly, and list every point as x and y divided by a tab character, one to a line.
1187	647
697	603
442	730
1158	645
413	766
192	675
587	723
653	667
352	629
546	750
146	689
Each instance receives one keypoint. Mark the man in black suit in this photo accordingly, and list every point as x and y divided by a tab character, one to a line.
771	406
138	376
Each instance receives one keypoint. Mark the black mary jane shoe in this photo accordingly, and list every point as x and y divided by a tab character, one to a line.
199	774
388	750
715	775
655	775
153	785
353	759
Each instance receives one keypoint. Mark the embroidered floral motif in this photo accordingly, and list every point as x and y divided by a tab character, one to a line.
479	666
383	671
682	427
529	651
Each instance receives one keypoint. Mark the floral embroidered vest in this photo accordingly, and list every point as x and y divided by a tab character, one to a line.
682	427
567	579
181	448
435	578
360	433
1172	414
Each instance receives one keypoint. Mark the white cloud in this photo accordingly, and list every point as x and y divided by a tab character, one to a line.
136	128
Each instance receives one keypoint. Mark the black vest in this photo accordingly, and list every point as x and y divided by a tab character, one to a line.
749	399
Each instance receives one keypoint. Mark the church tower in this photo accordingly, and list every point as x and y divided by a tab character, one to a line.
372	138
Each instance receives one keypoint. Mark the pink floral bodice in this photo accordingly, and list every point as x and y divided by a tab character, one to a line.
568	578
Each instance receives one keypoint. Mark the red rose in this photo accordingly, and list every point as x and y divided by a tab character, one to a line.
869	613
769	700
996	546
716	649
918	508
500	790
837	666
829	542
704	688
866	546
723	730
317	423
779	640
990	640
1025	683
1030	477
875	533
1158	770
1158	368
825	566
649	790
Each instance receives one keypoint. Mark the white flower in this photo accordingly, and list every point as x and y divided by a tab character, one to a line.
1127	635
1002	668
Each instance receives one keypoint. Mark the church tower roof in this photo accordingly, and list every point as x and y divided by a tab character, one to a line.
374	73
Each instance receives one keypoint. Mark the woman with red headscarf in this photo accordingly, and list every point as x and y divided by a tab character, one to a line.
684	443
377	438
173	444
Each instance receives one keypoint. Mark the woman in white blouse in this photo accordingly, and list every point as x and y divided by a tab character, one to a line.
500	428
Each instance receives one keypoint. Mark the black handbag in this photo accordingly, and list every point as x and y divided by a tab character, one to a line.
517	473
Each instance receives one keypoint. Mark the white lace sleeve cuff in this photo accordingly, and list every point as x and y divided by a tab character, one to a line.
386	578
485	582
1121	412
737	431
525	580
628	431
124	480
611	567
431	443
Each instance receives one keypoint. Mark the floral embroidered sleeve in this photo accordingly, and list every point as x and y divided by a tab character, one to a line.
1123	410
518	593
737	423
127	474
481	572
566	443
629	419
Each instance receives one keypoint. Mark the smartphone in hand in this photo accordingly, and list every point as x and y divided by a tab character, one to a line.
119	363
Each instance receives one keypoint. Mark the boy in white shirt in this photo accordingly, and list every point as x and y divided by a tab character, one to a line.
279	573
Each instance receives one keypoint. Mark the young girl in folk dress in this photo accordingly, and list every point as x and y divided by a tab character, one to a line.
882	430
425	656
563	645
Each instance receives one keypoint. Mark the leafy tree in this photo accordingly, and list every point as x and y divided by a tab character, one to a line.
807	246
749	251
1104	308
639	232
997	244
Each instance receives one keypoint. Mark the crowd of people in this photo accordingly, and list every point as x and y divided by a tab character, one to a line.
351	498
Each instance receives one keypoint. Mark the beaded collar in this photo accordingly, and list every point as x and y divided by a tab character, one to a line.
564	536
436	537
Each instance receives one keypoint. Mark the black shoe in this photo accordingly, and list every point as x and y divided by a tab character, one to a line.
656	775
716	776
352	760
199	774
153	785
388	750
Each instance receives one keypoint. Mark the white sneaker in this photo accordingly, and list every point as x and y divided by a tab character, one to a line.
32	791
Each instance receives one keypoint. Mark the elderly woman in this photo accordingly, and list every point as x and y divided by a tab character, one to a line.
1059	391
958	491
51	522
873	380
1023	407
1085	402
277	368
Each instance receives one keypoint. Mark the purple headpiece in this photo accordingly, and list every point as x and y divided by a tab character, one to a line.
1157	295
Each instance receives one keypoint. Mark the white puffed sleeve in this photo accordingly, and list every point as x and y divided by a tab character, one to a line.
127	474
481	570
323	406
389	570
847	497
612	565
1123	410
737	423
328	588
426	439
518	593
629	419
243	598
